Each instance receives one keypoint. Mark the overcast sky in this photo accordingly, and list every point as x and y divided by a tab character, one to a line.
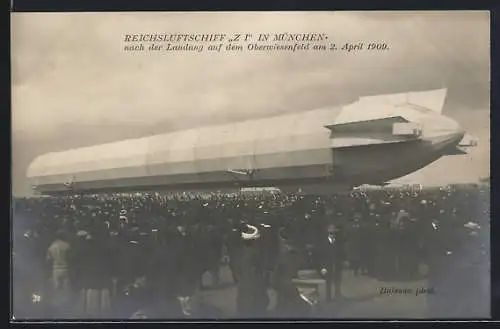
73	85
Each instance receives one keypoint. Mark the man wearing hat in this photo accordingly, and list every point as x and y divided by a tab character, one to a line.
233	243
405	244
355	245
93	276
332	249
184	251
252	300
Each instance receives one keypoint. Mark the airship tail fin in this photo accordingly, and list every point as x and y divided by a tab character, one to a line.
431	99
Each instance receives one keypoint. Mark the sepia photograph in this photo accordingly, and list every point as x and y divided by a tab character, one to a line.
250	165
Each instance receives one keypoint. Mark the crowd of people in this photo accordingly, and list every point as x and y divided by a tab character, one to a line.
116	255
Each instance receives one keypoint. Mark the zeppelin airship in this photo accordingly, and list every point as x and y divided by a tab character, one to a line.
371	141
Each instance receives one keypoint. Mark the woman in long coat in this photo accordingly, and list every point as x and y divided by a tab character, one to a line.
252	300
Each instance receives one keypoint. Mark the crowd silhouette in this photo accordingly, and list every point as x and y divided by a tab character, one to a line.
143	254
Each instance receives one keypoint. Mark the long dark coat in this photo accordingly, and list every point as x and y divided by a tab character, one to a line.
288	302
252	300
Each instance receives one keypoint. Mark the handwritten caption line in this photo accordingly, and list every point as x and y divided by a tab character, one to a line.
392	291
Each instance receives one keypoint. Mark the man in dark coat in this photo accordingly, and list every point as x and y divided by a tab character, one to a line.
288	302
269	249
355	245
210	246
332	250
409	259
183	246
162	270
94	277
